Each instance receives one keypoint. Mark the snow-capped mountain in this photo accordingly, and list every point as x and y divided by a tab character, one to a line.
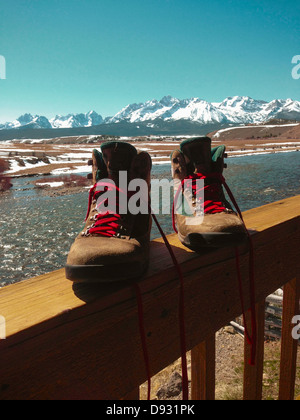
69	121
76	120
232	110
169	109
32	121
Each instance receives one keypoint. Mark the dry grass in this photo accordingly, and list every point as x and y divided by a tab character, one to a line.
159	150
229	370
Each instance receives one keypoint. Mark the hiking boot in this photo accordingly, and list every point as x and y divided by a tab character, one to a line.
202	217
114	244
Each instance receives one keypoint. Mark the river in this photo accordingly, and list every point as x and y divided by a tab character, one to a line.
36	231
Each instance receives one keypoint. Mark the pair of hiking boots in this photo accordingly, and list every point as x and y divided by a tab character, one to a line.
114	243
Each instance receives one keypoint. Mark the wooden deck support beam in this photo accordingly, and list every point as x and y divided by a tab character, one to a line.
289	346
253	375
203	367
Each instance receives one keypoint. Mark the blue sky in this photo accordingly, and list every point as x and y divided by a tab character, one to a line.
65	56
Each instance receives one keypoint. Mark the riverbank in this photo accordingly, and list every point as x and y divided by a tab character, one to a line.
43	157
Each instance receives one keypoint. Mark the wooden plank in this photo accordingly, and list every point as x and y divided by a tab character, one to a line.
253	375
265	217
289	346
93	336
44	297
203	365
67	342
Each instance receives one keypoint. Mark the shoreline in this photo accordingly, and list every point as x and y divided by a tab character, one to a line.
28	160
55	190
32	160
68	170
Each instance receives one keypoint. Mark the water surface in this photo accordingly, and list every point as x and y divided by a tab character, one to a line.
36	231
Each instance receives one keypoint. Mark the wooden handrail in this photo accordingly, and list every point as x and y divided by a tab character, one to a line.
66	341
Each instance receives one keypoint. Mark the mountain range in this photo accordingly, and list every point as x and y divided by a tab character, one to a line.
68	121
233	110
166	116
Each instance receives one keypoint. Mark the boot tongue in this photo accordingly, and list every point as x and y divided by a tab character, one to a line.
197	153
117	157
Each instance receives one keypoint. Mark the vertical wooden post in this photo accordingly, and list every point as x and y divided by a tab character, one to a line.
203	372
253	375
291	295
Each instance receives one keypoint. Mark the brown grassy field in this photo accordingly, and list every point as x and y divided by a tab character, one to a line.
43	157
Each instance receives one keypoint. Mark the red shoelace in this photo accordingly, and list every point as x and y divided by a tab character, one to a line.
211	192
251	338
211	205
106	224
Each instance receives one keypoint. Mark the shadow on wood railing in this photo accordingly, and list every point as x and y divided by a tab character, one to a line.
83	342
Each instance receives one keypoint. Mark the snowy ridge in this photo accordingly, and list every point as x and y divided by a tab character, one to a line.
235	110
69	121
232	110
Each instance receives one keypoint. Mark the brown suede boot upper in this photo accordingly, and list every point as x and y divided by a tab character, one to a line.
195	159
129	243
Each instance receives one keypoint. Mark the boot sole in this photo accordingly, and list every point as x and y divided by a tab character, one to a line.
197	241
105	273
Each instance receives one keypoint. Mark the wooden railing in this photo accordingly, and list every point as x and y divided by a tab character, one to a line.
66	341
